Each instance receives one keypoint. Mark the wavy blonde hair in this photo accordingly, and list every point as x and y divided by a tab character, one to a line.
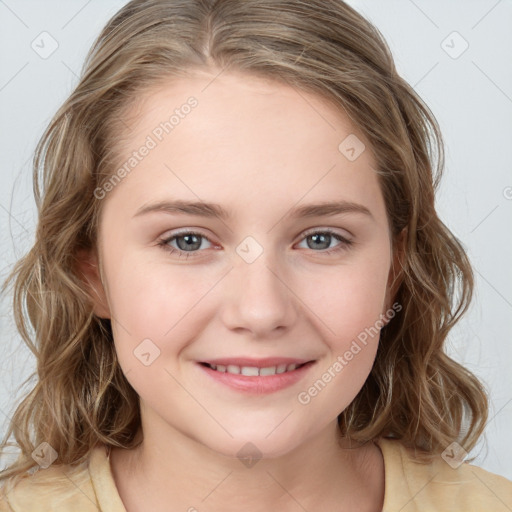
415	392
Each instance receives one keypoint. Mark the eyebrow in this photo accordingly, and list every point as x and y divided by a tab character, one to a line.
205	209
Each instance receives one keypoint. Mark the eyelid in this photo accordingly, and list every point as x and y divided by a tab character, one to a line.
164	240
344	241
303	234
333	231
183	232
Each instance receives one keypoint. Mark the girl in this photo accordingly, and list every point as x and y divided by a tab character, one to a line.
240	288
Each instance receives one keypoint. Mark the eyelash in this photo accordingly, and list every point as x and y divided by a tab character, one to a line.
344	242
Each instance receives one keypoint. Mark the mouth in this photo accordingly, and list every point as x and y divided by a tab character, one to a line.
255	371
256	377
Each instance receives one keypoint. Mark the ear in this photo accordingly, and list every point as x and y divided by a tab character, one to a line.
87	268
396	271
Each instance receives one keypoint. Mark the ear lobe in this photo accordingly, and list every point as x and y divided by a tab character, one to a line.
87	269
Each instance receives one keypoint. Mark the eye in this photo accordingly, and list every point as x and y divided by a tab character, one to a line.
322	240
191	242
186	241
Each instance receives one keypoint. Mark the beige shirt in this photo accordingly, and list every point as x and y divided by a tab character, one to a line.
409	486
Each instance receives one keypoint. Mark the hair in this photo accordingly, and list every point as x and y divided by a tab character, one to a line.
415	391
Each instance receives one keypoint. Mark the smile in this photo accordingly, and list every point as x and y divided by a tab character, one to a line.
254	371
256	380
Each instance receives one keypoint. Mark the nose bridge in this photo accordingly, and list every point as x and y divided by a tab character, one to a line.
258	298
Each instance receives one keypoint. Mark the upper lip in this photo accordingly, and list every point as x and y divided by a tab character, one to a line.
265	362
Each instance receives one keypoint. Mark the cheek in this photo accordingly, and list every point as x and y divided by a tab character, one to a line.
350	323
152	300
158	311
171	305
348	302
348	299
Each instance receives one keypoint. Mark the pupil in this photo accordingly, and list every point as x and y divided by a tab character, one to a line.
191	242
321	236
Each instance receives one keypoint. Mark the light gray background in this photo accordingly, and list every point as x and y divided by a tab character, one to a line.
471	96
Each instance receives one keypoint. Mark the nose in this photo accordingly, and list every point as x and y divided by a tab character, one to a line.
258	299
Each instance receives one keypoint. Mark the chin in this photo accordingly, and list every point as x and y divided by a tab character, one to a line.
253	445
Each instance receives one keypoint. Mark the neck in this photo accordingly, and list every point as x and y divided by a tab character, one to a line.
177	471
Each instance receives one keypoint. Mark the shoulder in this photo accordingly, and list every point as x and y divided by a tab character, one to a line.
58	488
414	486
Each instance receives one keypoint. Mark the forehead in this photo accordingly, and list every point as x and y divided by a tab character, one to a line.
244	138
235	99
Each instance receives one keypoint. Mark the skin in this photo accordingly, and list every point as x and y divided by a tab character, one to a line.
259	149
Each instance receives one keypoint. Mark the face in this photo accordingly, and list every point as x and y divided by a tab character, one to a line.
254	276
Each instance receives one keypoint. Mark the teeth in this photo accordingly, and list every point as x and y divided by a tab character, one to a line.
250	371
281	368
271	370
253	371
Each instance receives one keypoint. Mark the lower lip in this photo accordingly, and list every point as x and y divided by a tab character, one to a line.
258	384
